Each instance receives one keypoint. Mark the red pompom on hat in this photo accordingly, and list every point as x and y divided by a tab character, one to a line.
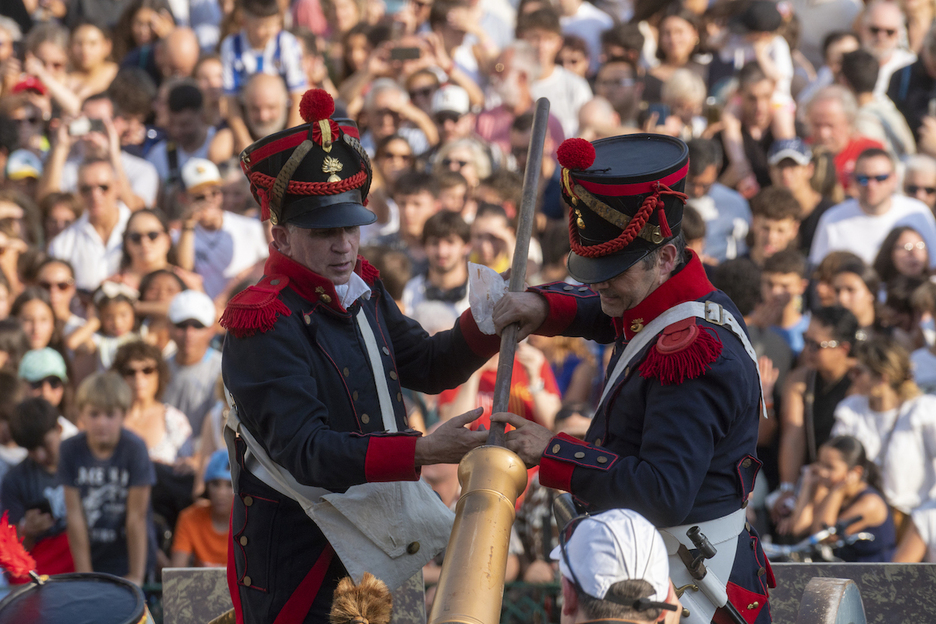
316	104
576	154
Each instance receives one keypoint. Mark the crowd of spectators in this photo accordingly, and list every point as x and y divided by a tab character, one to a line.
126	225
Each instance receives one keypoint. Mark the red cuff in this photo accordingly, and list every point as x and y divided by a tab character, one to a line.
557	474
482	344
391	458
562	310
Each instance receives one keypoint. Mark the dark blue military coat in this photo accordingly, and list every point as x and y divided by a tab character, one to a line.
296	365
676	451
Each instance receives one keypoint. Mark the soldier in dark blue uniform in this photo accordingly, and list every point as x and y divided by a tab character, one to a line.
315	360
675	433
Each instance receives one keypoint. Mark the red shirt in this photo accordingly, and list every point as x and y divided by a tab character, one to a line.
845	160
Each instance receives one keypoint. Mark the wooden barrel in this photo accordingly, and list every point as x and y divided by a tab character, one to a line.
76	599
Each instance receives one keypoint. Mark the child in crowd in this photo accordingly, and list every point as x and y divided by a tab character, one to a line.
202	530
32	495
113	326
775	221
107	475
45	372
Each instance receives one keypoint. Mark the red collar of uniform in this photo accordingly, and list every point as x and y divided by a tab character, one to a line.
689	284
310	285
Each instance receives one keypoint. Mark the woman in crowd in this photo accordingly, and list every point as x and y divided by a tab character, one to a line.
845	485
679	42
57	277
467	157
856	288
58	210
895	423
810	394
156	292
13	344
903	252
147	247
89	49
47	60
142	23
33	309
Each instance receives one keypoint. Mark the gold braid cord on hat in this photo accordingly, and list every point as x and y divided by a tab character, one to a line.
648	232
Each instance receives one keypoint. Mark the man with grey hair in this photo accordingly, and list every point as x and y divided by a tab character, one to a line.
919	179
389	111
266	110
515	71
882	28
830	117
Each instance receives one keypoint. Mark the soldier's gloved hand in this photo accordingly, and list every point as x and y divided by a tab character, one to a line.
449	443
528	439
527	308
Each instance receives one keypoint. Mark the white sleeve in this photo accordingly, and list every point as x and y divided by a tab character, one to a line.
227	65
292	64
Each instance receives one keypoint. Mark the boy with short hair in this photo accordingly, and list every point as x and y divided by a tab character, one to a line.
202	529
32	495
783	283
447	241
775	221
417	195
107	475
261	46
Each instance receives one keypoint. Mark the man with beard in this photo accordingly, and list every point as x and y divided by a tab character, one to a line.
881	29
266	109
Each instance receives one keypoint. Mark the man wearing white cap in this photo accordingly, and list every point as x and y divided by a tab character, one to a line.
221	246
196	366
614	568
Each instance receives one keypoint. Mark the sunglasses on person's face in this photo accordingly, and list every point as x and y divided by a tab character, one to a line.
133	372
912	189
54	382
87	189
137	237
877	30
864	180
448	162
201	197
57	285
397	156
184	325
441	118
422	92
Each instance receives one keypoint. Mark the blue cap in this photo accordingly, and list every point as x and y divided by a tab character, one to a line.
39	364
219	466
794	149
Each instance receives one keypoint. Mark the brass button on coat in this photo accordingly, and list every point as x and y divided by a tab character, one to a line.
365	418
308	319
386	351
746	463
602	459
413	548
393	375
246	582
248	501
399	396
354	395
274	282
580	455
555	448
243	540
346	371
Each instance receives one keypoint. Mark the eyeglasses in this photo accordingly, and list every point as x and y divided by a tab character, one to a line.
448	162
57	285
442	117
921	245
809	343
87	189
912	189
133	372
864	180
184	325
877	30
54	382
205	196
422	92
137	237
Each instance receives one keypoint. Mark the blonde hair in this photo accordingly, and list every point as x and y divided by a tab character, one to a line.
369	602
884	356
106	391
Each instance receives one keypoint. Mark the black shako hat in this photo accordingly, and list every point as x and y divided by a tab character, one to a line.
625	199
315	175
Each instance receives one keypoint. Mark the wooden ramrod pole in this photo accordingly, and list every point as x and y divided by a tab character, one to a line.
471	588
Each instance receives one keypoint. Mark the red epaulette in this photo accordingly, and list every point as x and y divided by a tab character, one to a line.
256	308
368	272
685	350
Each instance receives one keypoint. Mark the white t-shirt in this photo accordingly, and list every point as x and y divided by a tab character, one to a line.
221	254
144	181
846	227
159	158
924	370
924	517
567	92
908	463
94	260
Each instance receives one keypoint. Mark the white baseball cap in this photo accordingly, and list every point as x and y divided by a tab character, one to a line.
192	305
614	546
450	98
198	173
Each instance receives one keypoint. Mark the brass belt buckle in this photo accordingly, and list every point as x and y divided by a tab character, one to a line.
714	313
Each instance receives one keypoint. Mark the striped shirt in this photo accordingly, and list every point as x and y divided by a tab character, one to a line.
282	56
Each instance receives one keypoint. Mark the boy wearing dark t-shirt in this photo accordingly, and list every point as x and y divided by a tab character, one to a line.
32	495
107	476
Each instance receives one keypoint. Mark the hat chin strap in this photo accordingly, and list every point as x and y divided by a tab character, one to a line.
651	203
